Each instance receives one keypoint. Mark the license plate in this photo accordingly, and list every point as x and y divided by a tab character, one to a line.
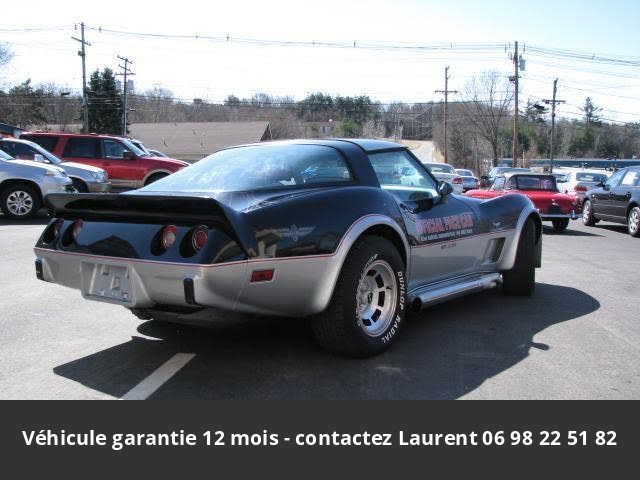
111	283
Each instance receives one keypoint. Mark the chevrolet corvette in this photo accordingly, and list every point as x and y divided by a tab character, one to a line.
325	229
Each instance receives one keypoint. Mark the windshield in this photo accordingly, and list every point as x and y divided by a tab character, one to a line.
259	168
465	173
48	155
535	182
500	170
440	168
132	148
140	147
591	177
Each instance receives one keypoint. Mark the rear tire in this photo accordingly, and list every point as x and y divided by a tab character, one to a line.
587	214
20	201
368	304
560	225
521	279
633	222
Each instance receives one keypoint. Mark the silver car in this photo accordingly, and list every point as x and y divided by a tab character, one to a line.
24	184
446	173
85	178
469	179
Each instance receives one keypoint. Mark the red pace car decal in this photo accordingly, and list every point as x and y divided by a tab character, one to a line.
442	228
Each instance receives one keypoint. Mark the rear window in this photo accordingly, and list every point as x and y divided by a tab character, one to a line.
440	168
80	147
48	142
591	177
259	168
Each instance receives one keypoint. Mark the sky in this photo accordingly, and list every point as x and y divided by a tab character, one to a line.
202	68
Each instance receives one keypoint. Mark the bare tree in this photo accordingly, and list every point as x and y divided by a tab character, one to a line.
487	106
5	54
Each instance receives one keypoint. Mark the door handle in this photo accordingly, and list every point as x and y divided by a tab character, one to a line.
106	164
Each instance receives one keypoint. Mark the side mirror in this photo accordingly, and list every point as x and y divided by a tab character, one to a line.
485	178
606	187
445	188
128	155
39	158
600	184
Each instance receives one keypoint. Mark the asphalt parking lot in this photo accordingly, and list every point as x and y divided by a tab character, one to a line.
578	337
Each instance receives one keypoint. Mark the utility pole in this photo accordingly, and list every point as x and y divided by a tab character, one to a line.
516	115
125	72
446	92
553	103
82	53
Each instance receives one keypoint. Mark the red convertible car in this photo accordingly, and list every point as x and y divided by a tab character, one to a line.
542	190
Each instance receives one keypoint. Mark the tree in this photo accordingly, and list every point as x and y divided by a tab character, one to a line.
357	109
5	54
591	112
317	107
583	143
105	103
26	106
349	129
232	101
487	102
61	108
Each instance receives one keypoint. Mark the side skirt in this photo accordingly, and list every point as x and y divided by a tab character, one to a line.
449	289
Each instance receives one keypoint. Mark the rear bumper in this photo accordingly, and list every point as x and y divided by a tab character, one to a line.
300	286
555	216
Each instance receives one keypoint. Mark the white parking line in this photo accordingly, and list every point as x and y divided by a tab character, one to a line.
159	377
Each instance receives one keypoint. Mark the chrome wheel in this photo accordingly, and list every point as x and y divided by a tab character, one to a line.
376	298
19	203
634	221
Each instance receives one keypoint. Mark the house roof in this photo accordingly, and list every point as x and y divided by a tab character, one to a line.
195	140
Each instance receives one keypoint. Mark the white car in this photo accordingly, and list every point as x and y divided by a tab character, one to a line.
580	181
446	173
24	184
85	178
470	180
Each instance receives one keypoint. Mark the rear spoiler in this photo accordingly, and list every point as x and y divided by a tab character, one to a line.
151	209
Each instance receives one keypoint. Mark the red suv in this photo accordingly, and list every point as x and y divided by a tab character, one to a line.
127	165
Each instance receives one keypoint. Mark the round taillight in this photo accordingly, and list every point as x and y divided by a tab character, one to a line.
199	238
77	227
169	236
57	228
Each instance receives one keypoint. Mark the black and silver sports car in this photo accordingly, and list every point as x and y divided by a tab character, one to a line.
351	233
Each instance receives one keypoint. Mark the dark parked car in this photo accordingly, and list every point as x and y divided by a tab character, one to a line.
306	228
618	200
